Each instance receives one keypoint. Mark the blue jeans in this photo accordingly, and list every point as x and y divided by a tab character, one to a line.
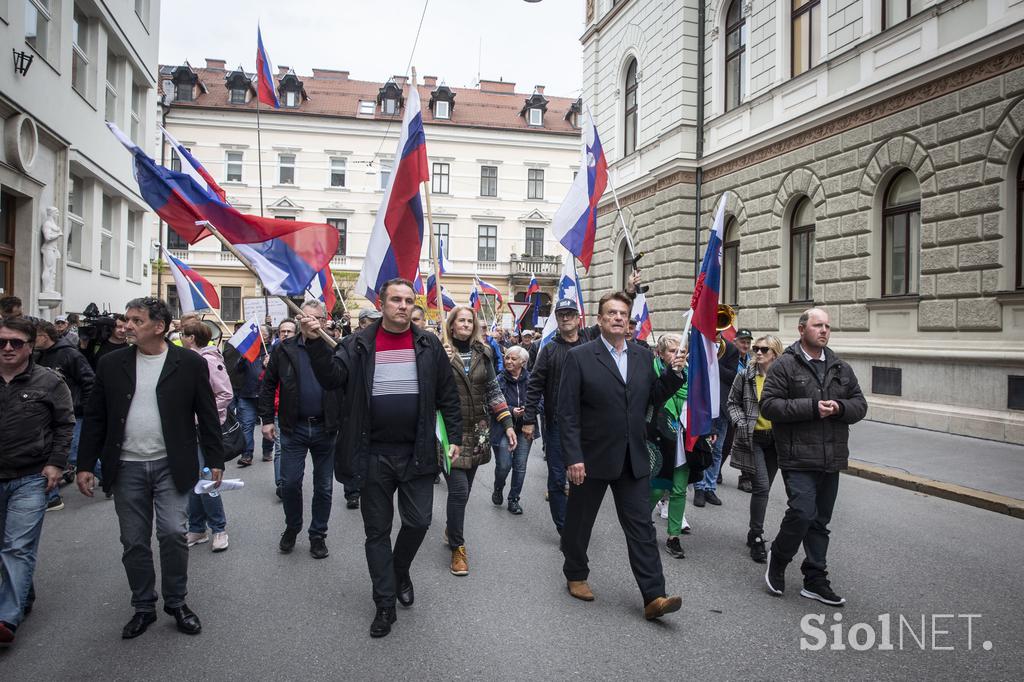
204	510
307	437
22	506
506	460
556	473
719	426
73	458
247	415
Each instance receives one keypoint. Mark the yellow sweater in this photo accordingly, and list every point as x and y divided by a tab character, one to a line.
762	423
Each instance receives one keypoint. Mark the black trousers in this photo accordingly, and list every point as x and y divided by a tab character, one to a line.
415	503
460	483
812	496
634	511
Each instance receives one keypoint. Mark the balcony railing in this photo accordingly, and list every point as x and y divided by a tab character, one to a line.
542	266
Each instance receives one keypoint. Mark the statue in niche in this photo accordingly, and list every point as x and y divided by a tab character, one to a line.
50	250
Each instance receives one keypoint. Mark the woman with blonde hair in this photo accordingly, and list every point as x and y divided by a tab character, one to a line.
480	398
753	450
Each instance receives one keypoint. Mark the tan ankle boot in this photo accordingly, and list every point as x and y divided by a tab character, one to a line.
460	566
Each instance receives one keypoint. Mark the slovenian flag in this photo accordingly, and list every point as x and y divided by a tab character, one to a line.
642	316
575	221
265	90
194	291
533	294
447	300
474	298
568	287
702	366
396	239
248	340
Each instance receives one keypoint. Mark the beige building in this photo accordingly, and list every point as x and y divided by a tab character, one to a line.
500	163
870	156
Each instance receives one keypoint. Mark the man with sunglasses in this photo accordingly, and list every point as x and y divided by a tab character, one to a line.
36	423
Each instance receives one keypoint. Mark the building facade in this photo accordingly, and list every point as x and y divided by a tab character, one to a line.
72	224
500	163
869	154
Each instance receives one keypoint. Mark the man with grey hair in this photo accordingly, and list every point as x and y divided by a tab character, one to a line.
811	397
308	417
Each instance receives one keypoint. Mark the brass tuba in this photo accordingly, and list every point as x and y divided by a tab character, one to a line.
726	318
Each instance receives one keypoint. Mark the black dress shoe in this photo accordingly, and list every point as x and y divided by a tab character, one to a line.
318	548
381	624
352	502
405	592
138	624
287	543
186	620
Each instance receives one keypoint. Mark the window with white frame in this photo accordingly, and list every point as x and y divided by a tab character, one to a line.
113	73
730	282
131	240
735	56
535	183
366	107
534	242
536	116
630	111
233	166
76	225
174	303
142	11
341	225
138	106
488	181
441	234
439	177
805	37
442	109
389	106
291	98
37	25
238	95
231	303
896	11
107	235
385	173
901	235
801	252
487	243
286	169
338	166
80	53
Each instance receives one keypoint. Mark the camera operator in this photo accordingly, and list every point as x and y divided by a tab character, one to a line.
101	334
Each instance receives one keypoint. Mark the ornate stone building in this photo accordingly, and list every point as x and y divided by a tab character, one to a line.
869	153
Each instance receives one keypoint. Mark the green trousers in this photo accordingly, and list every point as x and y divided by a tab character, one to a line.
676	499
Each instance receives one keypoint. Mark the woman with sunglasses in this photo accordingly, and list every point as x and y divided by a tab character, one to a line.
753	450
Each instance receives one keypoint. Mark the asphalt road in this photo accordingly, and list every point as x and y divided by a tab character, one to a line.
271	616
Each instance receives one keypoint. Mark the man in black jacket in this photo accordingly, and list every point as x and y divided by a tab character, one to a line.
811	397
308	416
150	404
606	389
394	377
36	421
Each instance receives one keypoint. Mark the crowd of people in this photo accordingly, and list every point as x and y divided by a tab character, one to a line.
365	406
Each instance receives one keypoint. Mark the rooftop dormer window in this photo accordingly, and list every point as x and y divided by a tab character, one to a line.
291	90
534	108
573	114
390	98
442	101
185	81
239	85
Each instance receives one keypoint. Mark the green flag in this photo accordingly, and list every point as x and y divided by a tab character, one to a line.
442	437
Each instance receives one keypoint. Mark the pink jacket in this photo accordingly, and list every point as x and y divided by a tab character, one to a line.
219	380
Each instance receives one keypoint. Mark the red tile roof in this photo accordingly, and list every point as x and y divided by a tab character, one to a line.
495	104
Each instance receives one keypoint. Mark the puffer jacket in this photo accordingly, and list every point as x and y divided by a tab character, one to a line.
36	422
68	361
479	398
743	413
220	382
803	440
514	390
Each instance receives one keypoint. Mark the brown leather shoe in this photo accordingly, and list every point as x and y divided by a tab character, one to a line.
460	566
660	606
581	590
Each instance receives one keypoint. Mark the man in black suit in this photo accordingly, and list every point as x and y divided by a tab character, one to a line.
606	388
147	405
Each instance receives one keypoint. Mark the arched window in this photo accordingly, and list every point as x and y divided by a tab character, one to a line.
629	139
801	252
901	228
1020	227
735	51
627	265
731	263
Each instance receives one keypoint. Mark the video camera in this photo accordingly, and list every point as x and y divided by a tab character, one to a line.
95	326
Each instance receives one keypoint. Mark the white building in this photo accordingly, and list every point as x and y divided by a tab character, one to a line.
501	162
91	61
870	156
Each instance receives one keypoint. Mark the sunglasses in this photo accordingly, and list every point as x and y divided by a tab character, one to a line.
761	349
16	344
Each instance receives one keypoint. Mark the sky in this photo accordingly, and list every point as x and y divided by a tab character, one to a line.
524	42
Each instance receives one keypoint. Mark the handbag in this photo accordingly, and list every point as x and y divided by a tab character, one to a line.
232	437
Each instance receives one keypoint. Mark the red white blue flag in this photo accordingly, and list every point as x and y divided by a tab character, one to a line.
702	395
191	166
248	340
194	291
265	90
397	235
322	289
490	290
474	298
568	287
533	294
575	221
446	300
642	316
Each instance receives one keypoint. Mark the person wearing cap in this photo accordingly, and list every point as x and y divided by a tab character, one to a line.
526	341
368	316
64	329
742	342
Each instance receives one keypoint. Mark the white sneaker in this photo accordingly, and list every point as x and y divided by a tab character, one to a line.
220	541
686	525
196	538
659	507
664	509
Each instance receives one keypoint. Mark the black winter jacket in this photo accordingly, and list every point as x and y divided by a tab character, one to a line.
349	369
283	369
36	422
803	440
547	372
68	361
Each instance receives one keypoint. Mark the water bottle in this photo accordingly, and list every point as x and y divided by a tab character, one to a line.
208	476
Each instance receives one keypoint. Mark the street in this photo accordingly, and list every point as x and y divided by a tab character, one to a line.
271	616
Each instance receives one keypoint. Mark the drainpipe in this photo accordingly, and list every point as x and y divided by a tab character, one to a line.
165	109
700	134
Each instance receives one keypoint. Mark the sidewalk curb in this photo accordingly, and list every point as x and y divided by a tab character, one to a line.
949	491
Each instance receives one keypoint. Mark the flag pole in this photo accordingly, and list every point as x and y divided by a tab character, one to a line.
259	170
434	256
248	266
